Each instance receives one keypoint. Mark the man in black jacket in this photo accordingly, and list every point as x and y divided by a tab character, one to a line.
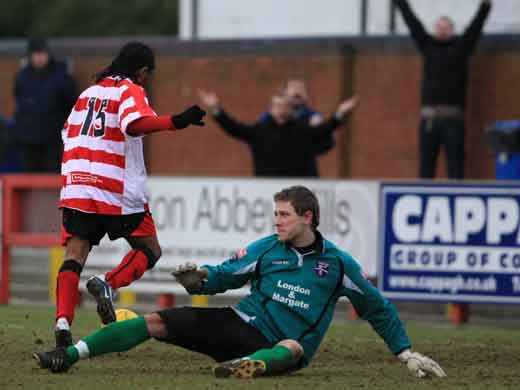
297	92
44	92
280	145
445	74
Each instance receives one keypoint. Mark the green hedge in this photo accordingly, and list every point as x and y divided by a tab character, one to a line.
70	18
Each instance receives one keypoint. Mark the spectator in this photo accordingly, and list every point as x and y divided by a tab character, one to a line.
281	146
4	141
445	73
44	93
9	156
9	159
297	92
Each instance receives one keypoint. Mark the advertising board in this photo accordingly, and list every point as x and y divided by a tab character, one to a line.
206	221
453	242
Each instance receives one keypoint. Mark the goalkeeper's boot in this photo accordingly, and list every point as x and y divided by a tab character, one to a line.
243	368
56	360
104	296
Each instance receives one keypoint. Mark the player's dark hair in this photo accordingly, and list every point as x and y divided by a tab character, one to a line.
131	57
302	199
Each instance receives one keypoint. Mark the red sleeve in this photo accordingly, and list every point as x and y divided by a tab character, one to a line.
133	105
150	124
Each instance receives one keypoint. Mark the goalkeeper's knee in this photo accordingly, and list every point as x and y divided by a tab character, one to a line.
294	347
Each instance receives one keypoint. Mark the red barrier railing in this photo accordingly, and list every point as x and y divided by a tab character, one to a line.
12	185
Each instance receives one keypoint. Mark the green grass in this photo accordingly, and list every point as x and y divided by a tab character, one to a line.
352	357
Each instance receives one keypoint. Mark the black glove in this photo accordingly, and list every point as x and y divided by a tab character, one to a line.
192	116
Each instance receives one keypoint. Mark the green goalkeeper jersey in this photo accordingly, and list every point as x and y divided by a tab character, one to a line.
293	295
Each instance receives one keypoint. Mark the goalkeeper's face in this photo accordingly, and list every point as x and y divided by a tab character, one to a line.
291	227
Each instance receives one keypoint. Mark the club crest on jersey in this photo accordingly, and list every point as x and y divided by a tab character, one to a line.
321	268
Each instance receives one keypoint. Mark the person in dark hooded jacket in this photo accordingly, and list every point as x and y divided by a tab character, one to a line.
280	146
44	94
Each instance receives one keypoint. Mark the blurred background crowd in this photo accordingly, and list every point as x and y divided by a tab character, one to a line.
357	89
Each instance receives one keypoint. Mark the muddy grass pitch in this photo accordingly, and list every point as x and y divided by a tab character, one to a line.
351	357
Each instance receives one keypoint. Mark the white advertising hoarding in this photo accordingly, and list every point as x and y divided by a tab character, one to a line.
205	221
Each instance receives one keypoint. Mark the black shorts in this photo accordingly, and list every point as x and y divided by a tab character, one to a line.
92	227
217	332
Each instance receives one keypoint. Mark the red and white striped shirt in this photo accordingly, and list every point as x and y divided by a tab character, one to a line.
103	167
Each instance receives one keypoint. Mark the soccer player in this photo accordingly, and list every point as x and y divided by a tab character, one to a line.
296	276
104	179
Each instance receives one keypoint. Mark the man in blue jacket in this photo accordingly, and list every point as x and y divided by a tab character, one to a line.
296	279
44	94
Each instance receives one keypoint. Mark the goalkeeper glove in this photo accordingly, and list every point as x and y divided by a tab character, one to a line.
191	116
419	365
189	275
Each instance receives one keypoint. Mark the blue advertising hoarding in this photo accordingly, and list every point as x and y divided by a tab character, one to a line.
450	242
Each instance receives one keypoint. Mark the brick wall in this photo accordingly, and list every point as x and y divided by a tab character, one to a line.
380	140
245	85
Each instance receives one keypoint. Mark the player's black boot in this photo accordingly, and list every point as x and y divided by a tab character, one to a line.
63	338
56	360
104	295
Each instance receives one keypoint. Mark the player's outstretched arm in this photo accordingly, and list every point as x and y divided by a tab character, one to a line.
153	124
419	365
383	317
191	116
190	276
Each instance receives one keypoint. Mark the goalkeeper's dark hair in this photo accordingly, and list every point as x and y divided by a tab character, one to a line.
131	57
302	199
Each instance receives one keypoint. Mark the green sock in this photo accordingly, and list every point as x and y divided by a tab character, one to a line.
72	354
277	359
115	337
